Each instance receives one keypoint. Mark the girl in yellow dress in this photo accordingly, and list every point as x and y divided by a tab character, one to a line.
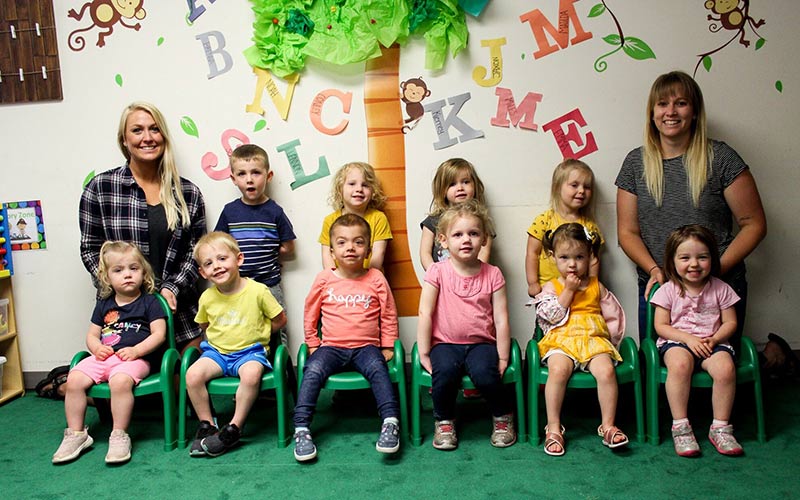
576	332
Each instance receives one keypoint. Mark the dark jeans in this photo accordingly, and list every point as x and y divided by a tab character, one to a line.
326	361
739	285
450	362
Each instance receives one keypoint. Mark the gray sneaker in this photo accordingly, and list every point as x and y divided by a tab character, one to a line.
119	447
389	440
685	442
72	445
503	432
723	440
204	430
444	435
304	448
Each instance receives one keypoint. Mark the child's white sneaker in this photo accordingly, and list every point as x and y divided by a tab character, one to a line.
72	445
119	447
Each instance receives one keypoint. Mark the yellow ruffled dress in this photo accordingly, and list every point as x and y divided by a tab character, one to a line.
585	334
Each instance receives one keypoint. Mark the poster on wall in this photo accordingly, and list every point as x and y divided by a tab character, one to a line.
26	225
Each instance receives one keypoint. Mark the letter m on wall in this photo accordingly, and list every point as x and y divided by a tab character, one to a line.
566	17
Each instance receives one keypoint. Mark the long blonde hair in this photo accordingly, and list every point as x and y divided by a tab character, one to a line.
446	174
171	193
378	196
699	155
123	247
560	176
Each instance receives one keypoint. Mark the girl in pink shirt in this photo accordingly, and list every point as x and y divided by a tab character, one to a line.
463	326
694	319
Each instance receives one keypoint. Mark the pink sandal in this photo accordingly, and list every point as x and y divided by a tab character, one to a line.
610	434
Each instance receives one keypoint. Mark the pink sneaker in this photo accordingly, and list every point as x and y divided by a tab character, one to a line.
723	440
685	442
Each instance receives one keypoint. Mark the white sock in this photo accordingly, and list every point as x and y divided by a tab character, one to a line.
391	420
676	423
298	429
718	423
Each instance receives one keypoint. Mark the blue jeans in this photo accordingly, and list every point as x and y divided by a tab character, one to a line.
450	362
739	285
368	361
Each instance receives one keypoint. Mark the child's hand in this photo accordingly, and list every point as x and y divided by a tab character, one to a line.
128	353
572	282
388	353
312	350
425	361
534	289
103	352
502	365
699	347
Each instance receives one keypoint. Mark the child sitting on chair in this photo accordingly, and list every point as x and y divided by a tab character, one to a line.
238	315
359	327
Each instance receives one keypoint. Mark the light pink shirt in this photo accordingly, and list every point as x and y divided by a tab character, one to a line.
354	312
464	311
699	315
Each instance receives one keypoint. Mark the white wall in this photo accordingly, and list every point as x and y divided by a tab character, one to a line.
49	148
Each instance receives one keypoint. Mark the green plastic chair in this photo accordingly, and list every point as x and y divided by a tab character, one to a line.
628	372
160	382
353	380
421	379
271	379
747	370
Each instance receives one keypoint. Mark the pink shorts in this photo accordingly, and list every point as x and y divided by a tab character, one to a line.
101	371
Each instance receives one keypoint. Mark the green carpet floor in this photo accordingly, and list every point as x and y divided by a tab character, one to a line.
349	467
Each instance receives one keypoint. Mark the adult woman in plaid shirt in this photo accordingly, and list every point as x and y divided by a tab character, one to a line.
146	202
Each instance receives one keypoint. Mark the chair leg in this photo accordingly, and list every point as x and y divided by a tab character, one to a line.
416	438
519	389
651	396
761	434
637	397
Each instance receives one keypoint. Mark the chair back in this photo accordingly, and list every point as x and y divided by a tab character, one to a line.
170	320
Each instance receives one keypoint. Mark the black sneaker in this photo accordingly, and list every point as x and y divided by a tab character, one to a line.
221	442
204	430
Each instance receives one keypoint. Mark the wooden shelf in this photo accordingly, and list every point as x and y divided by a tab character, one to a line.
13	384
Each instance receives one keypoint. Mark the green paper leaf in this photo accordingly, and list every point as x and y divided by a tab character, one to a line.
160	41
707	63
118	79
779	86
259	125
87	179
523	55
188	126
637	49
760	43
597	10
612	39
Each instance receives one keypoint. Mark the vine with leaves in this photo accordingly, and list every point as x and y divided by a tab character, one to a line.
635	48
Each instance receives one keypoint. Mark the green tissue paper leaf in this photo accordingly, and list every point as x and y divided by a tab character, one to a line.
260	124
707	63
779	86
188	126
118	79
87	179
160	41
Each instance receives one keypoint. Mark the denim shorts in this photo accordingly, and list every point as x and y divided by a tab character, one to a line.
230	363
697	360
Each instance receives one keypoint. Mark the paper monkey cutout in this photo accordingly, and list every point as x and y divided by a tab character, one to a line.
105	14
732	17
413	91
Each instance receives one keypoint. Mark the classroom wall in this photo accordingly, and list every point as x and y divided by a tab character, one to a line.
48	149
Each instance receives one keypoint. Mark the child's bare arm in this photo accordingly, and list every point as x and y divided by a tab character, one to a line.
727	328
286	250
278	322
97	348
500	313
664	328
426	248
427	304
378	253
532	252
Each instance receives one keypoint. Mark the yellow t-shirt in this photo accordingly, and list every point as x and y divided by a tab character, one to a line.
238	321
548	221
378	224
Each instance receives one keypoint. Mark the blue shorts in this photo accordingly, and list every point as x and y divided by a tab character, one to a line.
697	360
230	363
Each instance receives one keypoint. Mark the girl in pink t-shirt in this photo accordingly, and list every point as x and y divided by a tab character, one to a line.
694	319
456	289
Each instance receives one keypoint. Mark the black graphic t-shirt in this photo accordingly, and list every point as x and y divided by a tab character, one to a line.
126	326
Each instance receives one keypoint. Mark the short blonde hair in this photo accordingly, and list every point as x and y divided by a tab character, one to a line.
378	196
216	238
123	247
446	174
560	176
470	208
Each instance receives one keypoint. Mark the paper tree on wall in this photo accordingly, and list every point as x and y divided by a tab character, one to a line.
344	32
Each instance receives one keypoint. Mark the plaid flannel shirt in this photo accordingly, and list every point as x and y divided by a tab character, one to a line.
113	207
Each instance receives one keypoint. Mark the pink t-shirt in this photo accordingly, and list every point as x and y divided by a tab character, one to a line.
464	312
699	315
354	312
